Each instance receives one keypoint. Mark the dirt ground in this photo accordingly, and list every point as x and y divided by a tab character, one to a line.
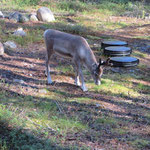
28	64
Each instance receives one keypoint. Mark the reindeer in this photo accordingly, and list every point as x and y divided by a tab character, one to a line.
76	48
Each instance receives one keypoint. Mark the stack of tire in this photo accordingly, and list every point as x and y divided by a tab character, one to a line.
119	53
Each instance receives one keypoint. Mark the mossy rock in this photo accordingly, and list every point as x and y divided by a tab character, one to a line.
23	19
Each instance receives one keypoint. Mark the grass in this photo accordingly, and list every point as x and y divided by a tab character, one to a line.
65	69
106	121
140	143
114	88
61	116
144	88
81	100
33	35
40	117
139	54
142	37
38	114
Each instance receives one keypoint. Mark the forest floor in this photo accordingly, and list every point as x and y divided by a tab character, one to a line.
115	115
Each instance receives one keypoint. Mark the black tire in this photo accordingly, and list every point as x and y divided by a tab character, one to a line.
113	43
124	61
117	51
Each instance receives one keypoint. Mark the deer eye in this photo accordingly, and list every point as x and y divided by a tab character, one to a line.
95	73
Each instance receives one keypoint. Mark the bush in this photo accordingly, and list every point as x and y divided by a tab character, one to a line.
73	5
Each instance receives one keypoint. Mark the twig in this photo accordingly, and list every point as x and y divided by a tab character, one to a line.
15	110
59	107
9	105
41	125
22	113
50	128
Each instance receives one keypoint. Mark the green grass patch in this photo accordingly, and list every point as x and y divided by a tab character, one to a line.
106	121
9	117
109	86
65	69
139	54
111	8
74	29
80	100
37	115
64	125
142	37
93	37
33	36
45	93
18	4
119	131
114	25
144	88
3	144
141	143
73	6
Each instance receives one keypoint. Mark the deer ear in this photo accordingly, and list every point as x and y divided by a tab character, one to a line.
108	61
100	62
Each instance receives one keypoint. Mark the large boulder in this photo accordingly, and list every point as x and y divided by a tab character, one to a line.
1	49
45	14
15	16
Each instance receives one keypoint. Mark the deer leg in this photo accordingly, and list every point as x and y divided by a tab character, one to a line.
77	79
83	87
49	80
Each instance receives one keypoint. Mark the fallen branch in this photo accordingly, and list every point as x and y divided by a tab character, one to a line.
59	107
48	127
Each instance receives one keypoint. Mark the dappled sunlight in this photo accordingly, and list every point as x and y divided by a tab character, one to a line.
114	115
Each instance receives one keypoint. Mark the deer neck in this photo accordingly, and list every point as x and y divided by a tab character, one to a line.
91	61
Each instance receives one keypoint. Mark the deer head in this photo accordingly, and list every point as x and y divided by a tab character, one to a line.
98	70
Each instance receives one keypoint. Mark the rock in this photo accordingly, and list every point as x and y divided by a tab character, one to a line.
71	24
15	16
18	81
1	49
30	75
33	17
98	105
23	19
147	17
19	32
43	91
45	14
1	15
10	45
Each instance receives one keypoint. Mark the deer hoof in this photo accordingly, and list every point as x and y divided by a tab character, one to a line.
77	83
84	89
51	83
